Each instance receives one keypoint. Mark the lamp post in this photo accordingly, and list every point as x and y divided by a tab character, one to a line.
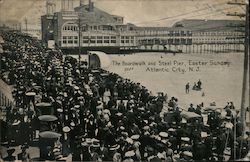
79	40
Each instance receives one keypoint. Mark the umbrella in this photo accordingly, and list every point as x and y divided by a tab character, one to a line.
43	104
49	134
189	115
211	108
47	118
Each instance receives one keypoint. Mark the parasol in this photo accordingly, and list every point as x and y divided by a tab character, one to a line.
43	104
47	118
49	134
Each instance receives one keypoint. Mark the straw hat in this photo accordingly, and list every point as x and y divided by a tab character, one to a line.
129	140
163	134
114	147
130	153
135	137
66	129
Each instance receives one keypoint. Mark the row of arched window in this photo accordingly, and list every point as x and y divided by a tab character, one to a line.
70	27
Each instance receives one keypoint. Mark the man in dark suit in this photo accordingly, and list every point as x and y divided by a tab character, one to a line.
10	157
24	155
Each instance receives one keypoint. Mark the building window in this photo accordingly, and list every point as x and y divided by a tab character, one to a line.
106	39
176	41
99	41
71	27
92	39
171	33
70	40
183	33
64	39
183	41
85	39
113	39
132	40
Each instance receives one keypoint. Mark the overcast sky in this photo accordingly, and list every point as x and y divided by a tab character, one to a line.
139	12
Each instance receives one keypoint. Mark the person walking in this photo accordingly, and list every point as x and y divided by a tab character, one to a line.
187	88
199	83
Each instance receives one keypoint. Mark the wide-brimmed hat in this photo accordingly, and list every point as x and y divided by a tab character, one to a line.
122	128
187	153
66	129
171	130
114	147
130	153
118	114
59	110
163	134
129	140
186	139
135	137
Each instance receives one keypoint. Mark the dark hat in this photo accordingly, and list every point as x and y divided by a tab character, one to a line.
24	147
11	151
95	144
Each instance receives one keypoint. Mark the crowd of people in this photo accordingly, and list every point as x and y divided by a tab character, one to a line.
95	115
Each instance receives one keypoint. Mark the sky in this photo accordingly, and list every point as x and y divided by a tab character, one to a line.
138	12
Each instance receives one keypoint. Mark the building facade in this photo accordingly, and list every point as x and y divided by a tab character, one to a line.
102	31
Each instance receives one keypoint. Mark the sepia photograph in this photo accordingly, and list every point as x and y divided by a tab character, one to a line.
124	80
